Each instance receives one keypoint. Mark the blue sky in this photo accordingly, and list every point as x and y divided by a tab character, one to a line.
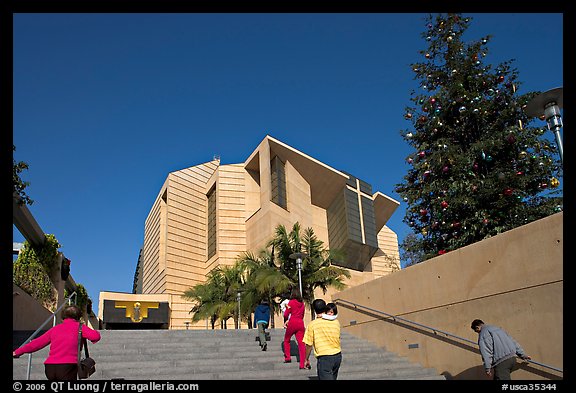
106	105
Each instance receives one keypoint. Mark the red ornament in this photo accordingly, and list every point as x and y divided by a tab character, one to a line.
500	79
444	204
423	212
441	252
485	221
508	191
422	154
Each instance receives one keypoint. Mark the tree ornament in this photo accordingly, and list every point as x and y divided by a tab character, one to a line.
508	191
554	182
444	204
423	212
408	116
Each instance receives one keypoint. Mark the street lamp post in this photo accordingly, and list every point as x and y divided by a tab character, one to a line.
298	257
548	104
238	297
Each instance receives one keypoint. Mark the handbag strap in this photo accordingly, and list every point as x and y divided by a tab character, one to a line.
79	341
82	342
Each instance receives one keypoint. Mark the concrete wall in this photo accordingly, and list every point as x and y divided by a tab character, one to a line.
513	280
27	313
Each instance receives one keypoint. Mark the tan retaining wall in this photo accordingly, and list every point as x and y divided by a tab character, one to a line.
513	280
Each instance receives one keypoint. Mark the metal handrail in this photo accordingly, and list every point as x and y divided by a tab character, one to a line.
435	331
51	317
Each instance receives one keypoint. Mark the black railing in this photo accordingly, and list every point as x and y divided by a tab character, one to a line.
428	328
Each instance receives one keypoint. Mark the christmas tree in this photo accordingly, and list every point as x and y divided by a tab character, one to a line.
478	168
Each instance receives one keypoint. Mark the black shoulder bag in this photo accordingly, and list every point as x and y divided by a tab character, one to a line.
86	366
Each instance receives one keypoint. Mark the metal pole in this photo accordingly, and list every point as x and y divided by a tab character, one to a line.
298	257
554	122
299	262
238	297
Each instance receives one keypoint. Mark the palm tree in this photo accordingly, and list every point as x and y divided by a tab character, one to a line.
267	275
216	298
317	268
208	299
263	280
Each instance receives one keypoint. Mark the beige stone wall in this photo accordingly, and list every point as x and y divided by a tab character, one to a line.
231	227
513	280
151	271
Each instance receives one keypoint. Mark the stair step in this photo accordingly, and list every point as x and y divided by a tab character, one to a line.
223	355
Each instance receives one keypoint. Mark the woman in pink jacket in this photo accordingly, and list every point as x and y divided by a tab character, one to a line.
294	324
62	360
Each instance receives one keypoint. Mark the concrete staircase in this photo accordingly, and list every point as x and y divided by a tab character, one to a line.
223	355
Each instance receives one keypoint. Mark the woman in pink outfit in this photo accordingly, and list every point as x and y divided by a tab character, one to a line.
62	361
294	324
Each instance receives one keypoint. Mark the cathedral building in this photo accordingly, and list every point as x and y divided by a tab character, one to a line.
209	214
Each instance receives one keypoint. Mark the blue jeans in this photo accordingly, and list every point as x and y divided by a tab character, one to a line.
328	366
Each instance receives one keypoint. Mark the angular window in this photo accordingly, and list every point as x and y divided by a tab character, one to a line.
212	222
278	182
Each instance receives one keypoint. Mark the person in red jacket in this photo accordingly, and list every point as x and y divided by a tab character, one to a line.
62	360
294	324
